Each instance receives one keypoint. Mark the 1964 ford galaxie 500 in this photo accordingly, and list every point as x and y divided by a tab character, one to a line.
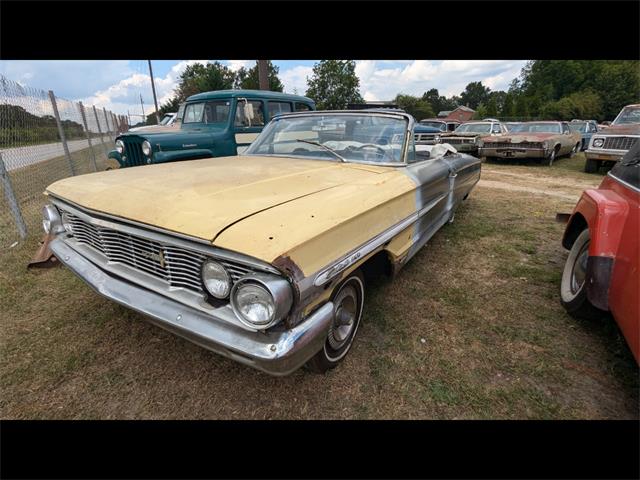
262	257
540	140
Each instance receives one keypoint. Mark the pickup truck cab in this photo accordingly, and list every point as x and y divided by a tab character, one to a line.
212	124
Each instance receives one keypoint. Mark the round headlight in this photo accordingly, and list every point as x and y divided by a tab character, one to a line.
254	304
146	148
261	300
598	142
216	279
51	222
120	146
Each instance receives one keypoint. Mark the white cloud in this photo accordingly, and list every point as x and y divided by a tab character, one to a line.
295	79
450	77
236	65
125	95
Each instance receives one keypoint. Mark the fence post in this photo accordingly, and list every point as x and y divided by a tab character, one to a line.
63	137
14	206
104	146
86	130
106	119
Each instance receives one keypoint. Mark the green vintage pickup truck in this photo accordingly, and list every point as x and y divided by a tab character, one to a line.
212	124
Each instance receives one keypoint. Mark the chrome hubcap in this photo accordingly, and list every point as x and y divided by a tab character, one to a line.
345	312
579	270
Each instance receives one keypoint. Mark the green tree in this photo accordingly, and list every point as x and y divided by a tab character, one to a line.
248	78
334	84
439	102
522	107
474	94
416	106
199	78
508	107
492	107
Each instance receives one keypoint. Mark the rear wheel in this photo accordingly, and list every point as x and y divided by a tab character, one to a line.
574	150
573	287
591	165
347	311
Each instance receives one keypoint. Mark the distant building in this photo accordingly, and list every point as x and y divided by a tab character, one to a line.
461	114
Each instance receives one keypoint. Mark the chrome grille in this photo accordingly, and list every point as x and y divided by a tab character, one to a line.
456	141
177	266
425	137
133	150
513	145
619	143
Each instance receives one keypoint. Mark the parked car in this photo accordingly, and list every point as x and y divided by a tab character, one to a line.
602	271
585	128
540	140
428	131
469	136
167	123
610	146
263	257
213	124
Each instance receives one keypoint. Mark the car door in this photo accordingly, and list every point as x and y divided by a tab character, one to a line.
247	127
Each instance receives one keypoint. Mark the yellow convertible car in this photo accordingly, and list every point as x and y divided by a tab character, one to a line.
263	257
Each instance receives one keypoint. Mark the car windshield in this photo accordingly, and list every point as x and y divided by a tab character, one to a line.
371	138
579	127
166	119
628	115
438	125
474	128
536	128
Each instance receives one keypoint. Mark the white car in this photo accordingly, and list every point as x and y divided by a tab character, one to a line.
168	121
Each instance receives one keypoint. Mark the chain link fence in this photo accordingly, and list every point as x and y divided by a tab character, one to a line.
44	138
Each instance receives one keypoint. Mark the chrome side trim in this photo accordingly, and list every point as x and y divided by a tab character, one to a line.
154	233
349	259
626	184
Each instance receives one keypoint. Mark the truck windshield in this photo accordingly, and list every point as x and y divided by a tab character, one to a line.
214	112
628	115
336	137
439	125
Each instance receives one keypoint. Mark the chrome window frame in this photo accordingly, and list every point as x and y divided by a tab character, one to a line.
359	113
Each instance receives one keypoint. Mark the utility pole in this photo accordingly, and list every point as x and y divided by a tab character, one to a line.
128	119
263	75
144	119
153	87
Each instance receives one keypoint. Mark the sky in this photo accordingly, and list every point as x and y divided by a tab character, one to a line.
117	84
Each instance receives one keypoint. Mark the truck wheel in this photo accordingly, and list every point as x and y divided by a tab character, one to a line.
573	290
347	311
591	165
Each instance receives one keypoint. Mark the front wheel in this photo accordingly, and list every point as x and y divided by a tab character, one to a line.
347	311
573	287
552	157
591	166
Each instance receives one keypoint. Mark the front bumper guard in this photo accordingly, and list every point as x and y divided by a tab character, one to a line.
274	352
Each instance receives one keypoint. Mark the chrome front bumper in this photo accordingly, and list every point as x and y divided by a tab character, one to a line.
513	152
605	155
273	352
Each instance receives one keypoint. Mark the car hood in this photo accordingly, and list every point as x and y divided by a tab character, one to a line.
464	134
523	137
201	198
628	129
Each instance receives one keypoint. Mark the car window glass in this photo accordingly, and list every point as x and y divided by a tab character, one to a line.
278	107
217	112
302	107
193	113
628	168
496	128
243	120
565	128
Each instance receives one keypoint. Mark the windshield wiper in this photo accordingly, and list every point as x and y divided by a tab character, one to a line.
318	144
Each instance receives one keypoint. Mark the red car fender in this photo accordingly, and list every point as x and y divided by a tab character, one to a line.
604	212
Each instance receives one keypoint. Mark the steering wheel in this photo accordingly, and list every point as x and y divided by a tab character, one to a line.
369	145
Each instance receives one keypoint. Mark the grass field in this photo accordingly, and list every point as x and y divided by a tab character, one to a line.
471	328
